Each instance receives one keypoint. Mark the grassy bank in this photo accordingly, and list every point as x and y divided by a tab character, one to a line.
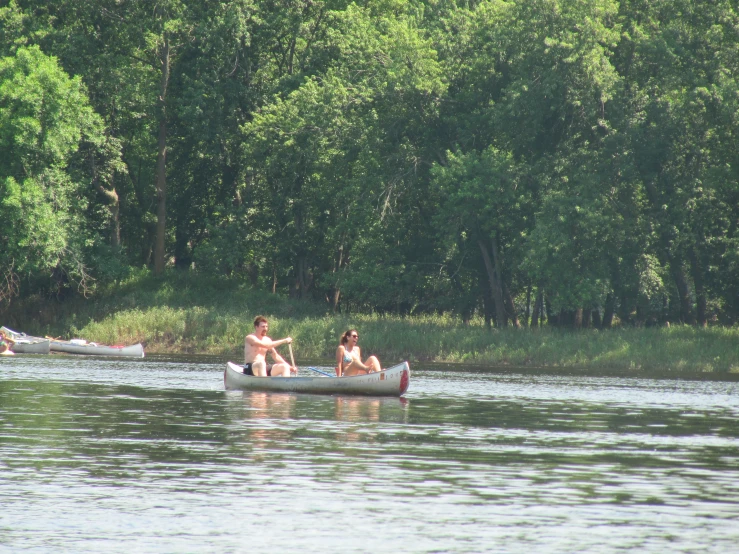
183	314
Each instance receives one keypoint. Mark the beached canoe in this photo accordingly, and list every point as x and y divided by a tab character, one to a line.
25	344
79	346
35	346
30	344
393	381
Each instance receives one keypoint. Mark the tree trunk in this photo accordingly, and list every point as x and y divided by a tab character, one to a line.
700	290
162	164
537	316
115	211
466	309
495	288
552	318
527	315
497	260
577	318
597	322
487	302
182	255
336	298
511	308
683	292
114	205
586	318
665	315
301	277
608	311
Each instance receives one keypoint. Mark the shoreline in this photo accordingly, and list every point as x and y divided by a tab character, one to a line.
675	350
184	316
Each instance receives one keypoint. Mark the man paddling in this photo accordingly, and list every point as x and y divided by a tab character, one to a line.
256	347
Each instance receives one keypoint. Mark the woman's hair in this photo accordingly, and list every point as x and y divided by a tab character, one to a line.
345	336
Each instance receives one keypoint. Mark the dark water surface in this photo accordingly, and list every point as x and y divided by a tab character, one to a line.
154	456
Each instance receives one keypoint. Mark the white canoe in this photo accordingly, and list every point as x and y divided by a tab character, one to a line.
28	346
25	344
79	346
393	381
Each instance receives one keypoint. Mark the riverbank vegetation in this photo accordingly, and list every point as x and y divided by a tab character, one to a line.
523	163
179	314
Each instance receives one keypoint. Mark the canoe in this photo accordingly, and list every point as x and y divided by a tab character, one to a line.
25	344
31	346
393	381
74	346
79	346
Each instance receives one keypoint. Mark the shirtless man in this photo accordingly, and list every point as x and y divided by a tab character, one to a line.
256	347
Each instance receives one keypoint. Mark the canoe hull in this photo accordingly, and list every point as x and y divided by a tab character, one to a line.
26	344
29	344
393	381
132	351
31	347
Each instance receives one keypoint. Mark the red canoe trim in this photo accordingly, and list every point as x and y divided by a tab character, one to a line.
404	381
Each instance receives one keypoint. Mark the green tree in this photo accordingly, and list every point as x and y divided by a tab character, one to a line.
679	60
333	156
44	118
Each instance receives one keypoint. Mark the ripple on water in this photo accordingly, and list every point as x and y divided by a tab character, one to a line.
152	456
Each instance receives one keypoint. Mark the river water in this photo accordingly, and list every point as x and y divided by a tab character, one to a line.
99	455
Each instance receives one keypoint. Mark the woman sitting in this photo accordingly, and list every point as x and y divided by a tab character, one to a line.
5	343
349	357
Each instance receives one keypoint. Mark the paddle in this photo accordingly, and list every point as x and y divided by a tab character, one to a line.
291	357
321	372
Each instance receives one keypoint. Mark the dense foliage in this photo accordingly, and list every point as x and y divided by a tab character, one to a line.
568	161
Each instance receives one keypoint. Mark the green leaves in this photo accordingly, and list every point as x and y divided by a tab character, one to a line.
43	114
44	117
390	155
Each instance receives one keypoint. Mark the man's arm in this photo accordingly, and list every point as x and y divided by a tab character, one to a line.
276	357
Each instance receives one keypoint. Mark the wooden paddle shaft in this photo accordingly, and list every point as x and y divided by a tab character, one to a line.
292	360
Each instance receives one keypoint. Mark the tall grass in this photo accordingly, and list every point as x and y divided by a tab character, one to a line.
183	313
441	339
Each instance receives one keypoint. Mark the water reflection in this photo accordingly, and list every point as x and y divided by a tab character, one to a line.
263	408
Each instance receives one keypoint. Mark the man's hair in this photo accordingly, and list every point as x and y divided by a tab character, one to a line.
259	320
